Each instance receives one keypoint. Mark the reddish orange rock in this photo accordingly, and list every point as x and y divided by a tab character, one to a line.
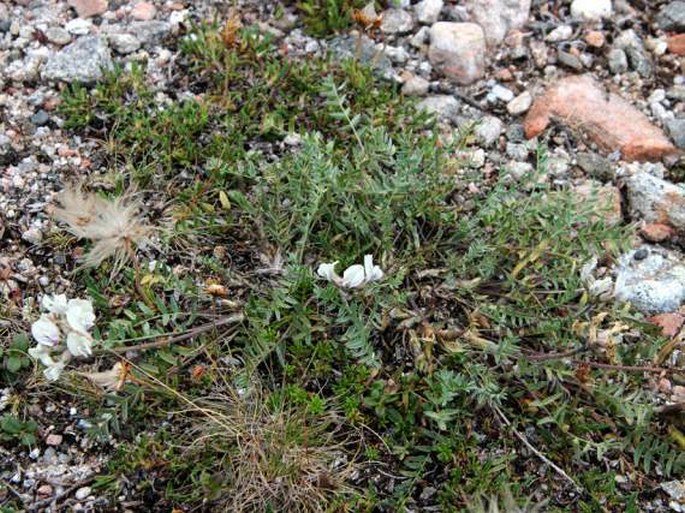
676	44
610	121
656	232
504	75
88	8
595	38
143	11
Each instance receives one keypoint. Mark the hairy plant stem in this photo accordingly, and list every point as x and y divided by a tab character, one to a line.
193	332
137	277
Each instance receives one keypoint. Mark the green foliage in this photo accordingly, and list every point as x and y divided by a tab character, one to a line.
14	358
426	363
326	17
372	201
15	429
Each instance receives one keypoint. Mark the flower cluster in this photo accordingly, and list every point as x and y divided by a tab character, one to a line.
354	276
69	319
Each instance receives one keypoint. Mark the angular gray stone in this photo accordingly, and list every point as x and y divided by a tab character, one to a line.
651	278
561	33
79	26
40	118
420	38
488	130
348	47
82	61
634	48
396	54
396	21
595	166
569	60
58	36
676	490
444	106
415	86
82	493
676	129
428	11
618	61
124	43
591	9
28	68
149	32
655	200
520	104
517	170
501	93
517	151
497	17
672	16
458	50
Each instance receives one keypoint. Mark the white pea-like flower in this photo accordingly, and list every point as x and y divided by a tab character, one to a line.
371	272
54	371
42	353
66	324
79	344
355	276
45	331
80	315
55	304
327	271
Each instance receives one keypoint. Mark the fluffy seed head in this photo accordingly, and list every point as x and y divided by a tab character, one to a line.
113	226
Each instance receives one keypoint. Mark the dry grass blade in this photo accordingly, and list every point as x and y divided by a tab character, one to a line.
113	226
278	461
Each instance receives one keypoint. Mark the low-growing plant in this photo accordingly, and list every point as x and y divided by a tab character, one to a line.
14	357
466	366
326	17
14	429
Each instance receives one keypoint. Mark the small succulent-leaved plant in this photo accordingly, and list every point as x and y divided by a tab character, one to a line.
62	332
353	277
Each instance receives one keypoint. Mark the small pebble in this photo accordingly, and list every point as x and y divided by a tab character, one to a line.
144	11
33	235
561	33
40	118
502	93
82	493
44	491
78	26
595	38
641	254
53	439
415	86
58	36
570	61
520	104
